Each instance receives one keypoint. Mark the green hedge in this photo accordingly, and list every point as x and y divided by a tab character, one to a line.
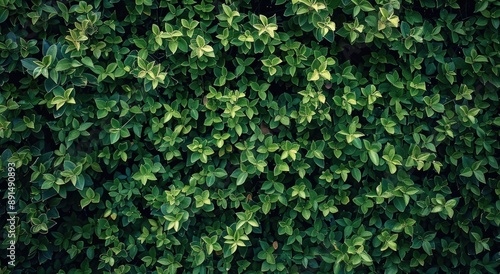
249	136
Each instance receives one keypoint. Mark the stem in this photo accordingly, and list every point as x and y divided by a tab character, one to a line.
128	121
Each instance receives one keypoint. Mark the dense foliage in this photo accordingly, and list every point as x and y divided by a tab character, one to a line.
249	136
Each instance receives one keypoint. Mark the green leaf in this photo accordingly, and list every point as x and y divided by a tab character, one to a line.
399	203
427	247
266	207
80	182
241	178
374	157
49	85
356	174
29	63
63	64
73	135
88	62
114	137
51	54
394	80
466	172
4	14
405	29
64	11
480	176
173	45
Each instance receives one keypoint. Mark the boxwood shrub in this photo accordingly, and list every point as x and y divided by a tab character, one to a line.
251	136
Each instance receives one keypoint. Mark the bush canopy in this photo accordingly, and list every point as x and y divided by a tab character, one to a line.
251	136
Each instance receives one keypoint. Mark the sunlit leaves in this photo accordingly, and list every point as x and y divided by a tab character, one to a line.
61	97
265	26
200	48
144	174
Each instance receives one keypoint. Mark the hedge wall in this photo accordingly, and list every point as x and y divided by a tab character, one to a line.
250	136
